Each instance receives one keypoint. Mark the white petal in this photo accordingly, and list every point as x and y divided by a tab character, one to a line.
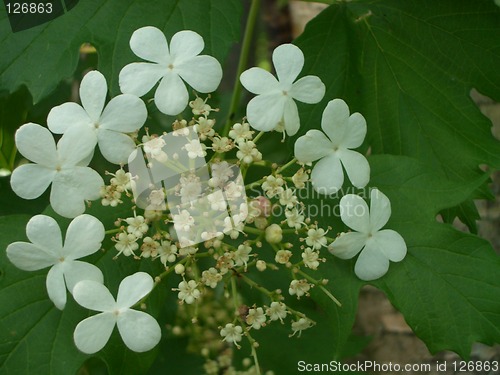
355	132
371	263
37	144
391	244
133	288
308	89
66	115
354	213
76	271
139	331
93	295
149	43
29	181
347	245
264	112
76	144
356	166
139	78
93	91
335	120
71	187
312	146
202	73
327	176
171	96
44	232
291	117
115	147
288	61
29	257
380	209
185	45
56	287
92	334
124	113
258	81
83	237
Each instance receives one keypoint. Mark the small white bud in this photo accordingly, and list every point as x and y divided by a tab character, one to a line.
274	234
179	269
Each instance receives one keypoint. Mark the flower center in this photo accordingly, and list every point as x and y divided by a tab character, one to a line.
96	125
171	66
285	92
61	259
58	168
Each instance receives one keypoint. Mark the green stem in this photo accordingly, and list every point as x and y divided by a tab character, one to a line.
3	162
242	63
287	165
319	284
112	231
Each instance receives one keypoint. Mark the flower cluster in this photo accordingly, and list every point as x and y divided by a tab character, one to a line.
192	212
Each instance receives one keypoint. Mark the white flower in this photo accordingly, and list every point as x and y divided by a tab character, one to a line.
108	126
126	244
248	152
273	185
221	173
299	287
316	238
283	256
242	255
274	102
294	218
170	64
188	291
167	252
183	221
300	325
288	198
240	132
195	149
377	246
83	237
256	318
344	133
64	166
211	277
310	258
137	225
231	333
276	311
139	330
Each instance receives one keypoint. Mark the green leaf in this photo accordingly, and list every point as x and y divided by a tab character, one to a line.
41	57
447	286
32	327
408	67
447	276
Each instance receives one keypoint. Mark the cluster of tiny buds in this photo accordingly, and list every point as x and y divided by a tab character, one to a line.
275	216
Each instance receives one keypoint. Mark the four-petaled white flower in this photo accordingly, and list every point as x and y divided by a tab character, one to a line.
83	237
344	132
107	125
139	330
274	103
377	246
64	166
170	64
